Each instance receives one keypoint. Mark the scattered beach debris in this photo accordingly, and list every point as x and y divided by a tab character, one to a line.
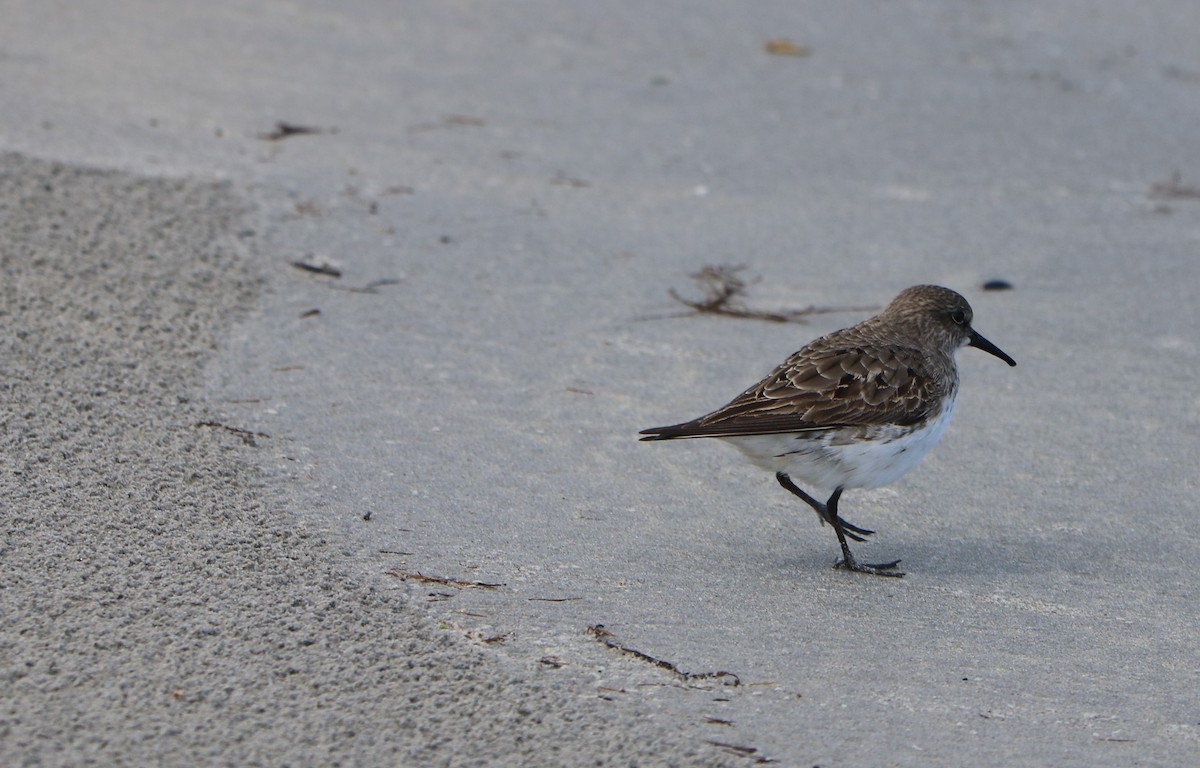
284	130
781	46
318	269
1173	189
742	751
327	270
246	435
418	576
725	289
608	638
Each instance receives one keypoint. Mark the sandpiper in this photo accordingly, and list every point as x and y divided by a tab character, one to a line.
855	409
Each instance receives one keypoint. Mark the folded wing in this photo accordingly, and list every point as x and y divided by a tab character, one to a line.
814	390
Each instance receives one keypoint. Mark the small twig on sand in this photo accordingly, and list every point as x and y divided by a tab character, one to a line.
246	435
418	576
317	269
741	751
608	638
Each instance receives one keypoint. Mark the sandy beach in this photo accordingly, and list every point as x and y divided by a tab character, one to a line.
329	330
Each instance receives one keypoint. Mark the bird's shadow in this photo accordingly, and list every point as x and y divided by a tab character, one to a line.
944	558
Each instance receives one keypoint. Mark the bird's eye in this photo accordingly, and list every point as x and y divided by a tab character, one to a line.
959	317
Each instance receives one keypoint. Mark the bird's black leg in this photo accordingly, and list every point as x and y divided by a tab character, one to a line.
848	562
822	510
843	529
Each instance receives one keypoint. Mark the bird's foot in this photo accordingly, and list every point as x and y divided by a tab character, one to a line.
875	569
850	527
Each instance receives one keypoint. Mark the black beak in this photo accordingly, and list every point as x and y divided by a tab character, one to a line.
979	342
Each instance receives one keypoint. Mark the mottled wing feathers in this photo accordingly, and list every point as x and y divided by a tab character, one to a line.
823	387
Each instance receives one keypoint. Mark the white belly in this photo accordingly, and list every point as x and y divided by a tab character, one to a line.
868	457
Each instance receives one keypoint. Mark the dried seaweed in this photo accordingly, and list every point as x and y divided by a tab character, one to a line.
725	290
